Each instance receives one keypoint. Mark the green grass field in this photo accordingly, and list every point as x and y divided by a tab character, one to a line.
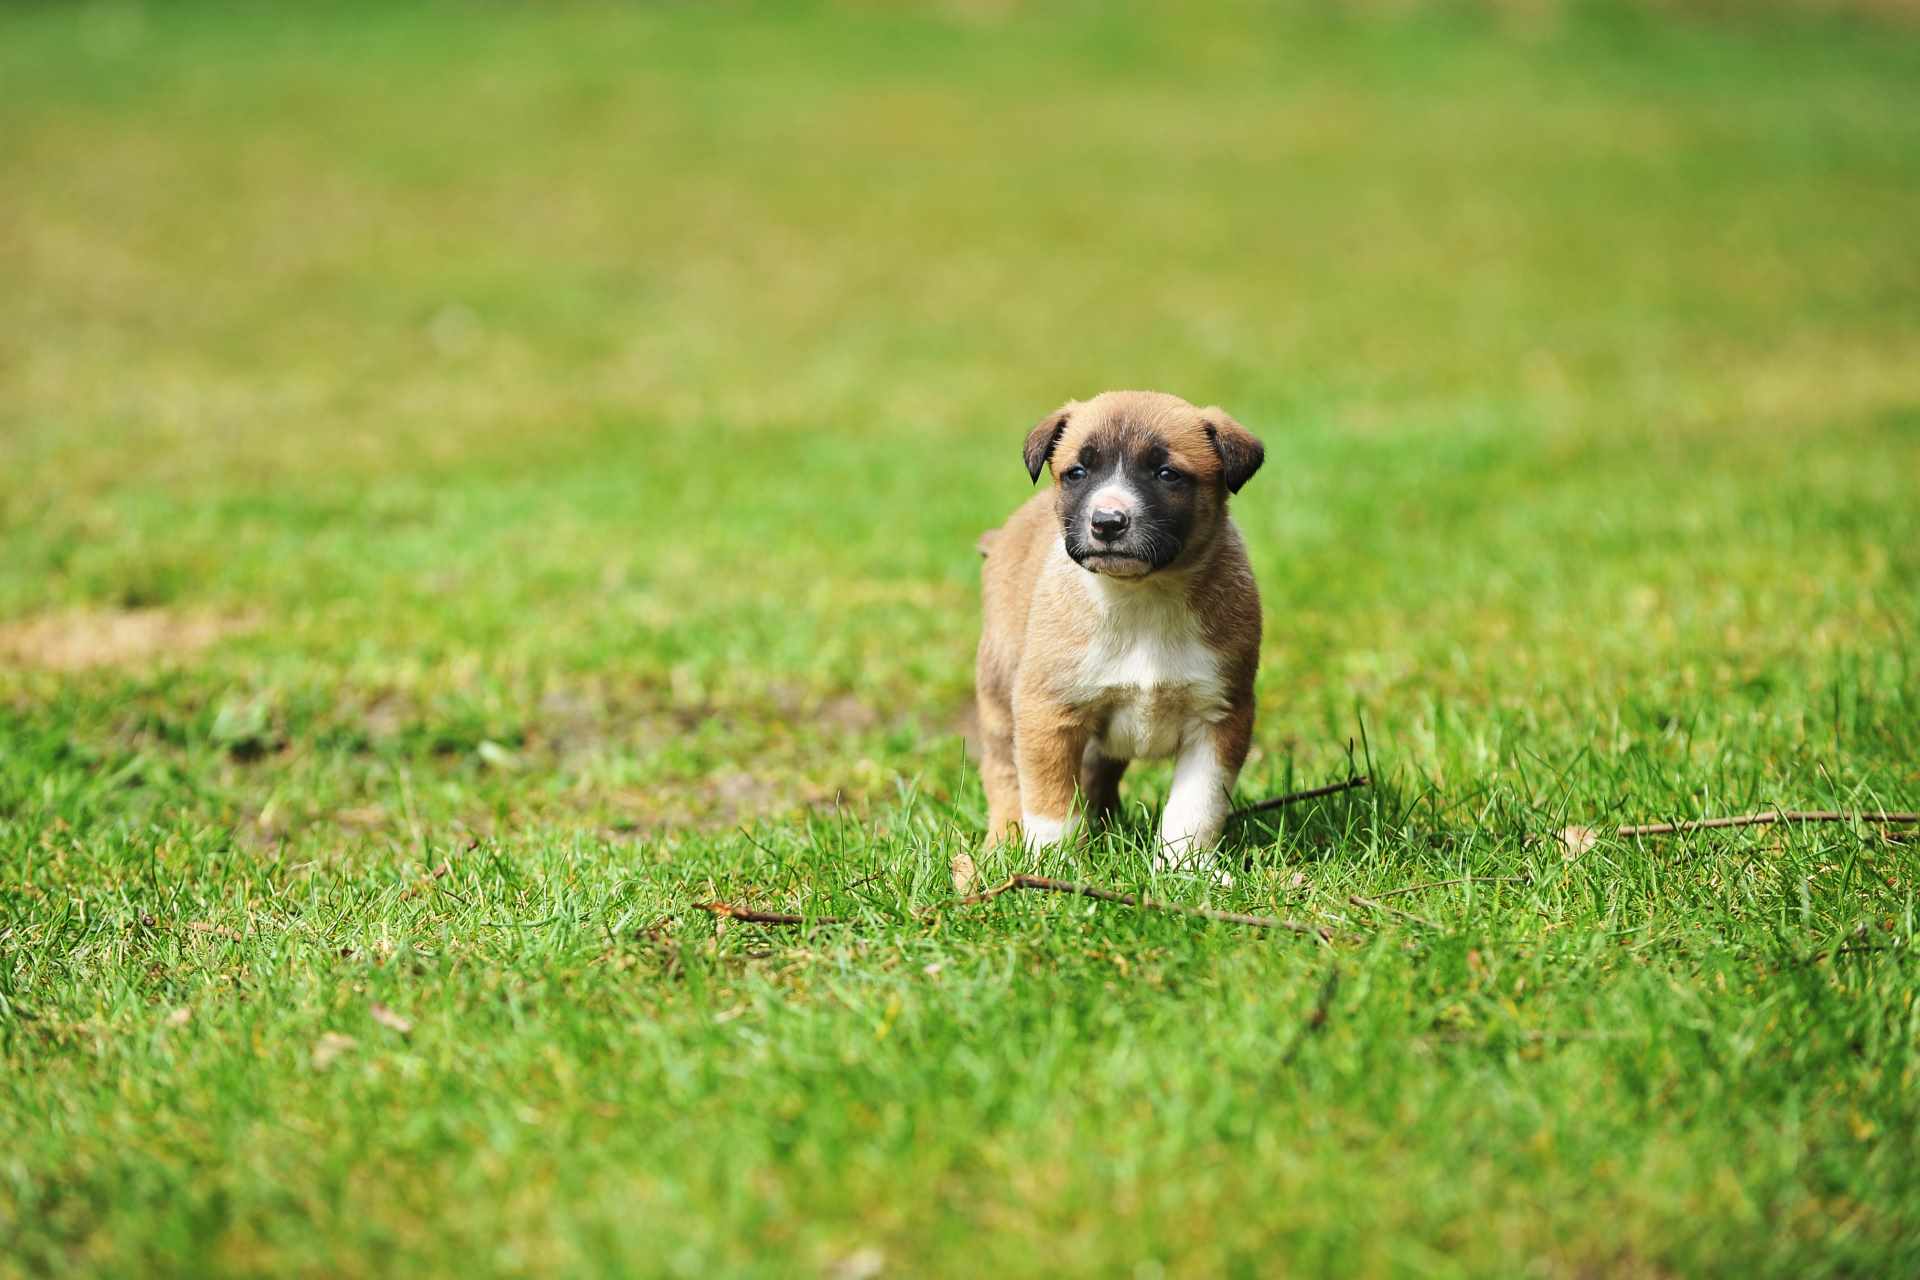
547	443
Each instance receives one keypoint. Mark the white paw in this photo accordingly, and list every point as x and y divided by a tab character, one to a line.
1195	813
1044	833
1187	859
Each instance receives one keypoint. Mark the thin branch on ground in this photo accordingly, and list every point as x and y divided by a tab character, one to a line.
1760	820
751	916
1294	797
1040	884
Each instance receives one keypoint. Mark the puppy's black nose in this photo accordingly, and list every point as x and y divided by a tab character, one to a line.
1109	523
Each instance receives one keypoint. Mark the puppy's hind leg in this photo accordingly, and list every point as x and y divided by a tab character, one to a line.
1002	781
1100	776
998	774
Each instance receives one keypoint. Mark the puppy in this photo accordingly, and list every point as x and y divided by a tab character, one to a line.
1121	623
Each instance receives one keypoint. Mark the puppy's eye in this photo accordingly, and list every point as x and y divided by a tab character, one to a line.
1170	475
1074	473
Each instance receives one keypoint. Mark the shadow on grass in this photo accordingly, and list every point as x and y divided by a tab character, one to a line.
1311	830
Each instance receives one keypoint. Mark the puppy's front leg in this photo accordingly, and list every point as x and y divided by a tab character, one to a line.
1049	742
1197	806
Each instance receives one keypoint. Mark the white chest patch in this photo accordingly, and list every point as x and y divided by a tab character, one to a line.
1148	675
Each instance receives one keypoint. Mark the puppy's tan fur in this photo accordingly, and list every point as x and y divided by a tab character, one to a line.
1080	671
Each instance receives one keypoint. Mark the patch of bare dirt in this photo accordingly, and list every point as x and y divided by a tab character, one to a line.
81	639
719	800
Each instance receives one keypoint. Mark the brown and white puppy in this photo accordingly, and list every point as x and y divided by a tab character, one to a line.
1121	622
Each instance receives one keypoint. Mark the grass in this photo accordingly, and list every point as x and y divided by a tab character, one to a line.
549	442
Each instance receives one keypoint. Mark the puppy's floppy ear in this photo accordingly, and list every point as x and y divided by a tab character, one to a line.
1240	454
1042	438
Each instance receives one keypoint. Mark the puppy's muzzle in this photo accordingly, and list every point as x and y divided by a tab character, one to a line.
1109	523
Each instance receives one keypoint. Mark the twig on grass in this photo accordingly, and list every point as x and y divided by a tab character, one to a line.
1761	819
728	911
1293	797
1040	884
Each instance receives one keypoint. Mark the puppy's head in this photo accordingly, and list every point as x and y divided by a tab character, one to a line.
1140	479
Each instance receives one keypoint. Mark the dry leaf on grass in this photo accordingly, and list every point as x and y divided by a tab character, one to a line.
80	639
1576	840
862	1264
438	873
179	1017
330	1046
389	1019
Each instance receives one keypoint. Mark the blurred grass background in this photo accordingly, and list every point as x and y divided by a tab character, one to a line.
563	429
701	332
